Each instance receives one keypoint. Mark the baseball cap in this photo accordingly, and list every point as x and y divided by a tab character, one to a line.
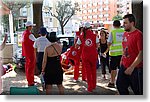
87	25
29	23
43	30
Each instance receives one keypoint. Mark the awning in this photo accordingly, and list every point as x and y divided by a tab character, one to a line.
3	9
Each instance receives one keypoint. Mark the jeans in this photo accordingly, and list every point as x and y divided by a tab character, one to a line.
135	80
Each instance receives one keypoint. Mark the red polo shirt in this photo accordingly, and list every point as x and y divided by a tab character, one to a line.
132	44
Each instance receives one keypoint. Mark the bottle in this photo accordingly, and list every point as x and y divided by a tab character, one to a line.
104	55
42	81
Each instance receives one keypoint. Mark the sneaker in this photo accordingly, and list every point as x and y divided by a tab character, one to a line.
111	85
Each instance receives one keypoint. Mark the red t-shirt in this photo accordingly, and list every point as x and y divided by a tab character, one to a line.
132	44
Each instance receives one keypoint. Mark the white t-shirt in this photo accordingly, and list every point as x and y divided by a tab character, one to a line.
41	43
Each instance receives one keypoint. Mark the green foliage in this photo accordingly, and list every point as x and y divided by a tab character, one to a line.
117	17
5	21
64	11
14	6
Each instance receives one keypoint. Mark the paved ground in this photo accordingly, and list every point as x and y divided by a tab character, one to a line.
71	87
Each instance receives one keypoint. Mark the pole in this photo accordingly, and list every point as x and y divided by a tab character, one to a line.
11	27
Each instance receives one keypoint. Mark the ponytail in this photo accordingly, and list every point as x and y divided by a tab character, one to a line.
84	33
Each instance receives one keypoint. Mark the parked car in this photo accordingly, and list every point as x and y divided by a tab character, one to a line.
18	59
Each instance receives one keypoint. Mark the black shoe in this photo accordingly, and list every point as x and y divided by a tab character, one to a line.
111	85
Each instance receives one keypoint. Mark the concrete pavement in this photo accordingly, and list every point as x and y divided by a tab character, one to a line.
71	87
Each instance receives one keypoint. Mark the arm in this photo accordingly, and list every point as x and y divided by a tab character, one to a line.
78	43
44	60
137	60
4	42
35	52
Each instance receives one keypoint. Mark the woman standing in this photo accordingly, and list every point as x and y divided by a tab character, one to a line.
89	54
51	67
104	55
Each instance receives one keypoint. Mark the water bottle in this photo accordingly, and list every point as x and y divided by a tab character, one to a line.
42	81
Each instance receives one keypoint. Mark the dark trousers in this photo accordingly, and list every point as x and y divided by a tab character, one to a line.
39	60
104	63
135	80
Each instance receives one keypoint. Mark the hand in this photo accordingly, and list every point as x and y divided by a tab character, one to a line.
129	71
42	72
5	37
104	55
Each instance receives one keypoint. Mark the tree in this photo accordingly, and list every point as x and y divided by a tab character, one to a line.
37	15
117	17
137	10
5	22
64	10
14	6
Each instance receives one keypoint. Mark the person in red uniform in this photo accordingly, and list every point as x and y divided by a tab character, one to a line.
74	54
66	63
28	52
78	58
131	71
89	54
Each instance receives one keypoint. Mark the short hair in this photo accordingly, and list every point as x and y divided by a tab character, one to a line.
131	17
52	37
116	23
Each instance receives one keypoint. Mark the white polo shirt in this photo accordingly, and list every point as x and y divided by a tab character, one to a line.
40	43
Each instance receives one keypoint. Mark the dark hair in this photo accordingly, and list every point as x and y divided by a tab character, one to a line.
43	31
104	32
116	23
84	31
52	37
80	29
131	17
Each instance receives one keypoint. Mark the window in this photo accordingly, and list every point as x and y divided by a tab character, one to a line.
90	17
84	11
95	16
95	4
101	15
100	9
50	19
95	10
84	17
90	5
90	11
84	6
106	15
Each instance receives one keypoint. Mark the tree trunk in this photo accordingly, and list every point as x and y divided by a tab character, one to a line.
37	17
62	29
137	10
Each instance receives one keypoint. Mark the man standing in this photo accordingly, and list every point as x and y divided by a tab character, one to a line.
115	50
39	46
28	52
131	71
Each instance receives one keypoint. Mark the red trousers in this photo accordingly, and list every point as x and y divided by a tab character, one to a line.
90	67
29	69
76	70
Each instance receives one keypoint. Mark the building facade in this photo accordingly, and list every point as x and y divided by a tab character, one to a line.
102	11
